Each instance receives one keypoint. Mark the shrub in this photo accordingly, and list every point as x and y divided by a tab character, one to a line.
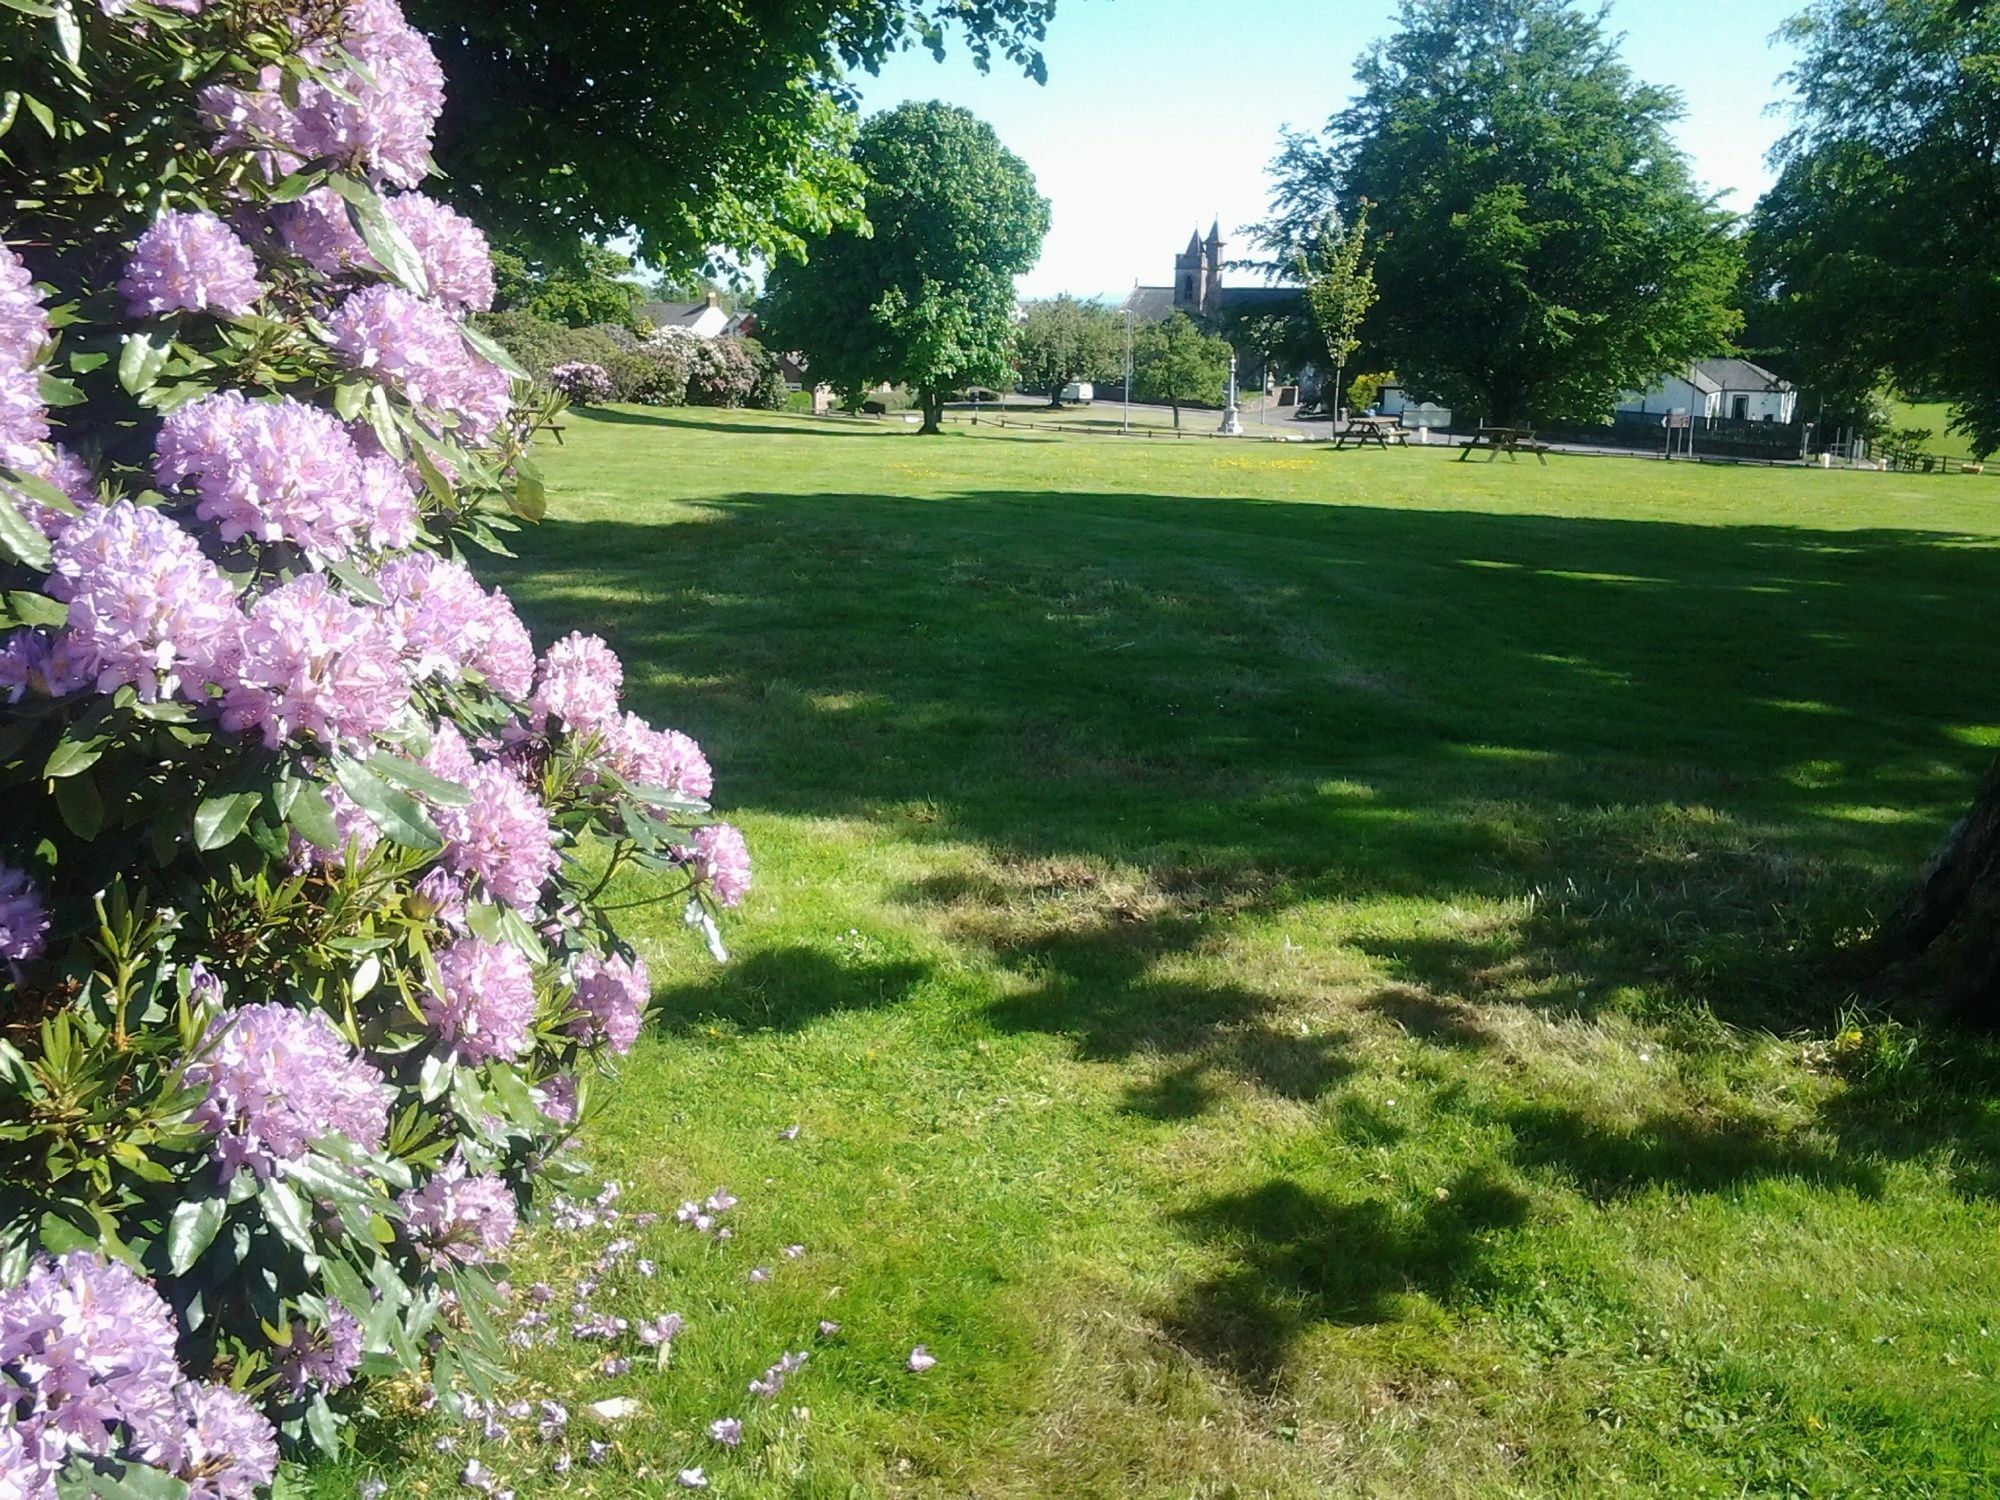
299	879
582	384
655	376
538	346
721	373
770	392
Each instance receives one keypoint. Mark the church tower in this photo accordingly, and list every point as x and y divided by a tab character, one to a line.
1211	291
1190	277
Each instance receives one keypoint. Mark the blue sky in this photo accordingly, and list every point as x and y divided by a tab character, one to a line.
1161	114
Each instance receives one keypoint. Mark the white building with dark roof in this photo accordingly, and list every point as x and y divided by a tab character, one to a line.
1712	388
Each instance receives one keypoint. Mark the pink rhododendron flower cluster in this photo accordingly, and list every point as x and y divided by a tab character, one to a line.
24	921
378	121
458	1216
144	604
87	1369
585	384
450	625
577	681
279	1079
502	835
485	1001
418	348
663	758
611	996
318	230
189	262
455	257
282	471
313	663
324	1358
42	664
720	861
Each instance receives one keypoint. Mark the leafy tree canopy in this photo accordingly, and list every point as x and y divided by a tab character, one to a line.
1176	362
1542	244
927	298
591	286
1062	339
689	124
1879	245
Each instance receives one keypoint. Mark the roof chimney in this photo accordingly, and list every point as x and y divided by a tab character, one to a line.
711	297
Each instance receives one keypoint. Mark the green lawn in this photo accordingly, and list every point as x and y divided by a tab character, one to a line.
1299	973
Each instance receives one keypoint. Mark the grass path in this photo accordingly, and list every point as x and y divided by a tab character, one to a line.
1297	973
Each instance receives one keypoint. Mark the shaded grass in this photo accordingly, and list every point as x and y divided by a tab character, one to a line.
1299	973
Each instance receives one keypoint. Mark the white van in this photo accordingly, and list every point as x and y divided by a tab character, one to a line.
1082	392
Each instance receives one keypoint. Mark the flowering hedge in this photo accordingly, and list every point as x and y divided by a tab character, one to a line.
300	882
582	383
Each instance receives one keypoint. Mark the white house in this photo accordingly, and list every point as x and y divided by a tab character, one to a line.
1731	388
705	320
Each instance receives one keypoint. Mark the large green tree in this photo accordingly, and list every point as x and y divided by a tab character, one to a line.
1175	362
590	285
926	297
1542	243
1879	245
1061	339
693	125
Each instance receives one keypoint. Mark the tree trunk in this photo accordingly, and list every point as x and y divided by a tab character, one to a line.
1955	912
933	404
1177	415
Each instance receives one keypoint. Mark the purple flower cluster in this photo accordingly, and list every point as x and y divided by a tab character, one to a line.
377	117
584	383
24	921
319	232
312	662
457	1216
278	1079
485	1001
661	758
282	471
720	861
450	625
502	835
452	249
144	605
24	330
417	347
611	998
324	1358
87	1369
189	262
577	682
36	663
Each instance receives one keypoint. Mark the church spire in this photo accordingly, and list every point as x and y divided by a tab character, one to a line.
1215	235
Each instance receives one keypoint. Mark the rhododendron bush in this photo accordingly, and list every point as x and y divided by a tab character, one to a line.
304	850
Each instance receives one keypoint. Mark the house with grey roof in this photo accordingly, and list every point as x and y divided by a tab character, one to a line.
707	319
1727	388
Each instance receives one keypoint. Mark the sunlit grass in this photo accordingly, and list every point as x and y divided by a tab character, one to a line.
1297	974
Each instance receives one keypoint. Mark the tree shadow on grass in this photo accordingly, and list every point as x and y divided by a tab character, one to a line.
783	989
682	418
1687	1153
1300	1258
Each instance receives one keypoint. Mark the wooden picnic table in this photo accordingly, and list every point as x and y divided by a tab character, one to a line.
1365	430
1512	441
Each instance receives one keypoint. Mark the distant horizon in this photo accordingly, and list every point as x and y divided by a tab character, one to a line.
1147	130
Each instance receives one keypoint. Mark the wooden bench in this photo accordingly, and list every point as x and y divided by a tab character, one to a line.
1362	431
1512	441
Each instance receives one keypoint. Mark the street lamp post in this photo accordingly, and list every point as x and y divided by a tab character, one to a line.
1126	426
1232	424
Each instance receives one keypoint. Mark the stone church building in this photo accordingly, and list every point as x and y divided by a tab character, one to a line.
1197	289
